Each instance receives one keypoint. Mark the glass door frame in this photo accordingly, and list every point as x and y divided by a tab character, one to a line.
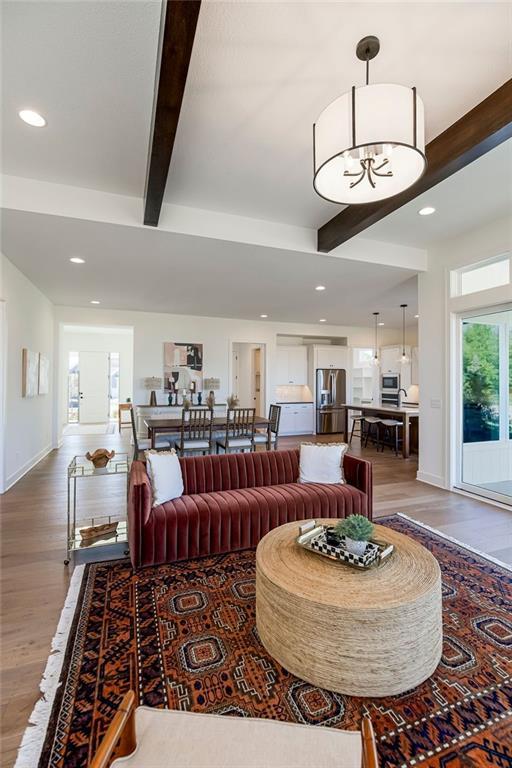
458	400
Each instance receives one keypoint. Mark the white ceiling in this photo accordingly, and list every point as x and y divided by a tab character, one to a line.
475	196
158	271
262	72
259	76
89	68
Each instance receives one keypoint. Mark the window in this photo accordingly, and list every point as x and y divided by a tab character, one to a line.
481	276
481	381
73	387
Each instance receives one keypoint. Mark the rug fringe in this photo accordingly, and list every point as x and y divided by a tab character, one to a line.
457	541
35	733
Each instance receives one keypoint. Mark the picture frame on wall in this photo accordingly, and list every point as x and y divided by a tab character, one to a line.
44	375
30	373
183	366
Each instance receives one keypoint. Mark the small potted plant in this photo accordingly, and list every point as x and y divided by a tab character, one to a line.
357	530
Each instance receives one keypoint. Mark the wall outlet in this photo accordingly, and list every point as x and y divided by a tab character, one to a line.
435	402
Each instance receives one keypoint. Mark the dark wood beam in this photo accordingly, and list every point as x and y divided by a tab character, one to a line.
177	31
477	132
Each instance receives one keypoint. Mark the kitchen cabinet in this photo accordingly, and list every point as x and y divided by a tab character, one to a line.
297	419
389	359
332	357
292	365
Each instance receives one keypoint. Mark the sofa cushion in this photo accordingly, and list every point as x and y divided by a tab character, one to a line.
221	521
204	474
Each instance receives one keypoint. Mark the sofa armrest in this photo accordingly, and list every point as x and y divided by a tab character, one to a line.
140	500
358	472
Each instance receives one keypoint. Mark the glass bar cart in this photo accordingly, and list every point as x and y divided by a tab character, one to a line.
100	530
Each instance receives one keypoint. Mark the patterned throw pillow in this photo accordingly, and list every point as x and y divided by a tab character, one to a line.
322	462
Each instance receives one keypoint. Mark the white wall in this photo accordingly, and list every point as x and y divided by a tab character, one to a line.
437	343
95	339
29	317
216	335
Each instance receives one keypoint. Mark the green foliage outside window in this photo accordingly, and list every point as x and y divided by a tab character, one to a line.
481	371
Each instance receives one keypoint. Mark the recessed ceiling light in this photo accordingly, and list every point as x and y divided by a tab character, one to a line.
380	323
322	320
32	118
320	288
94	301
77	260
426	211
263	316
416	316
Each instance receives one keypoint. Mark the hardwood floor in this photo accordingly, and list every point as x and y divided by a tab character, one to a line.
34	581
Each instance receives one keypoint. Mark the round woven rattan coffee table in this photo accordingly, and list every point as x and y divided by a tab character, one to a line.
362	633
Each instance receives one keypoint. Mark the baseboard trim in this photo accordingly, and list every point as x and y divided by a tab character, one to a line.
437	480
30	464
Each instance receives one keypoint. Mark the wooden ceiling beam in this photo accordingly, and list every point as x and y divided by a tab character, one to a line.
177	31
477	132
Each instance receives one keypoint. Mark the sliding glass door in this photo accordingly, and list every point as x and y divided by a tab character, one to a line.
486	381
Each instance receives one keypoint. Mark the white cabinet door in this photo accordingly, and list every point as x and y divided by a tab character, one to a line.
287	421
298	365
390	359
282	365
292	365
332	357
304	423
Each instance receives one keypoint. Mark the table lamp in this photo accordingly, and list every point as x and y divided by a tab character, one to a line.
153	383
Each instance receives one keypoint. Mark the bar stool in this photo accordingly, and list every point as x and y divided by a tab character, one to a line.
372	422
357	419
391	427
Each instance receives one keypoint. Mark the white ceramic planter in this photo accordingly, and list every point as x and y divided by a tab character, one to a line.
355	547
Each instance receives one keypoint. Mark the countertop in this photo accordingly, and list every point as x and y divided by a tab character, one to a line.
409	410
294	402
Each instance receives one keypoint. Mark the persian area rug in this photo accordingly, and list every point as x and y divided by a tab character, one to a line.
183	636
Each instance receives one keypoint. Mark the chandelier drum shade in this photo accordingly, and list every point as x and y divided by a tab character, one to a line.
369	143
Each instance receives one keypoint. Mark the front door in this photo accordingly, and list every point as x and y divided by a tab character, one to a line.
94	387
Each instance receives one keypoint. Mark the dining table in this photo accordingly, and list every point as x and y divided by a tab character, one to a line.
161	426
403	413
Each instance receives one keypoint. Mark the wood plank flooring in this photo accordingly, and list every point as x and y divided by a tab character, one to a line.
34	581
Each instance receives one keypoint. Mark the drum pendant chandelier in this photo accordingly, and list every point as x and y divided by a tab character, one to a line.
369	144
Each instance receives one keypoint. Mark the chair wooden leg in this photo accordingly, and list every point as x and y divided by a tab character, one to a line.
352	432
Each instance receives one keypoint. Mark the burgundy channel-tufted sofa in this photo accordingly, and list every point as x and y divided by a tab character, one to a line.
231	501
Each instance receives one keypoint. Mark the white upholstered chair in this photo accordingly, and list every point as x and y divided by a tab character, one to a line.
163	738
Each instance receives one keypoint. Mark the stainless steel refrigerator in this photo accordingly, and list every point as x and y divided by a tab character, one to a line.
331	391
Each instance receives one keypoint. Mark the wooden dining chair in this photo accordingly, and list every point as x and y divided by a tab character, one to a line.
239	430
269	437
196	431
153	738
144	444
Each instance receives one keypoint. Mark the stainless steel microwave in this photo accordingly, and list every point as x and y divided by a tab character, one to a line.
390	382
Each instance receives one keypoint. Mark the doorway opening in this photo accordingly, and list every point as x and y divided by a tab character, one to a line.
485	410
248	375
97	375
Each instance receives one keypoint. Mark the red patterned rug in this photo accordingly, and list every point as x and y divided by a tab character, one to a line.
183	636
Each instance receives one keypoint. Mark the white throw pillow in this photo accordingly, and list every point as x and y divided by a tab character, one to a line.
322	462
164	471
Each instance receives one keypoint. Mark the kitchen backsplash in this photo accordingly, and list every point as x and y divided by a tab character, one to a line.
294	393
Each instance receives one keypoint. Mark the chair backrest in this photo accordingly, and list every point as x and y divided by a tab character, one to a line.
274	417
134	433
240	423
196	424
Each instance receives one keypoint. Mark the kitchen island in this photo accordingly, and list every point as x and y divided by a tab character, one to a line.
403	413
